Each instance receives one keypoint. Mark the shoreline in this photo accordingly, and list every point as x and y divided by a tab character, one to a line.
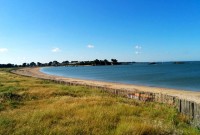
59	102
125	83
181	94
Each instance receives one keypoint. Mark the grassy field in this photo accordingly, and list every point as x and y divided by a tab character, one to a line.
32	106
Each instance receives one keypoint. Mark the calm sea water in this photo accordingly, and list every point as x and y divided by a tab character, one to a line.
179	76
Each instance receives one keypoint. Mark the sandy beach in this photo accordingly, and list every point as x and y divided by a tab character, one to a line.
182	94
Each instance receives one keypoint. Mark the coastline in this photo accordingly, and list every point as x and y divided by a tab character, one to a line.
45	105
192	96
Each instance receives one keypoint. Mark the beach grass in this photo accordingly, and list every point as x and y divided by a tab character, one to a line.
34	106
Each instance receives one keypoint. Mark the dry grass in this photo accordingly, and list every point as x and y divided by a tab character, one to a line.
33	106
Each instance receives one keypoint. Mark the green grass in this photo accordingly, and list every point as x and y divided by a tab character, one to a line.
33	106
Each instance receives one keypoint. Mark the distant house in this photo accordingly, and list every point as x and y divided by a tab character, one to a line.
74	63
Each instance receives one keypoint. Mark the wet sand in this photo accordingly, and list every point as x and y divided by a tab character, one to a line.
181	94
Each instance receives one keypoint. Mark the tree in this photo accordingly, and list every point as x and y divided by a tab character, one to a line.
96	62
106	62
39	64
114	61
24	65
55	63
50	63
102	62
10	65
32	64
65	63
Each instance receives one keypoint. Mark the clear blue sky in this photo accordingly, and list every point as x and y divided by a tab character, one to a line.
128	30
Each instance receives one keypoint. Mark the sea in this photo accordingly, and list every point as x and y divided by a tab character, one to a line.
183	76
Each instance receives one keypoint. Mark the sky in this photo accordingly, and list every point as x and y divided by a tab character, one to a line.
127	30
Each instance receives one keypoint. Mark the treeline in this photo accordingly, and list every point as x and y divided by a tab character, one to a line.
7	65
64	63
